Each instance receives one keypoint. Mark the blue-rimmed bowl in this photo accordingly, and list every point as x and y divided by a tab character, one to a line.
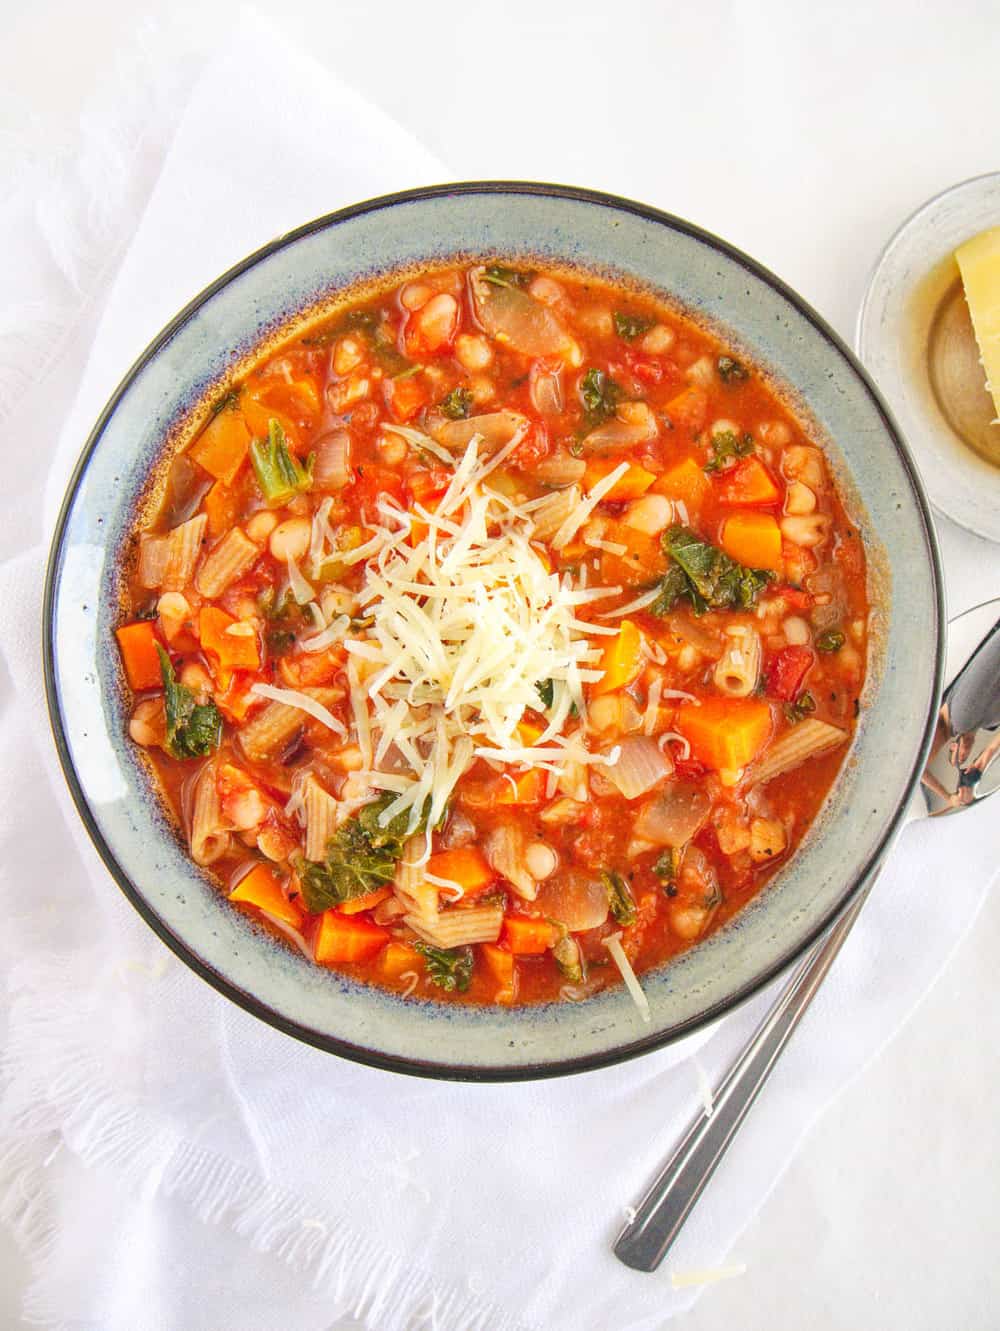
264	295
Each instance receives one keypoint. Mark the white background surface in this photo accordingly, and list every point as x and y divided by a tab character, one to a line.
888	1218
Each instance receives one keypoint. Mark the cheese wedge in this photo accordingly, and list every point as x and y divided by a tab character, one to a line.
979	263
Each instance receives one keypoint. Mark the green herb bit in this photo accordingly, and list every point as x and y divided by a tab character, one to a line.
279	642
830	641
732	371
457	405
546	691
727	447
279	474
801	708
500	276
228	402
568	957
629	326
705	576
600	395
450	968
193	729
668	865
621	902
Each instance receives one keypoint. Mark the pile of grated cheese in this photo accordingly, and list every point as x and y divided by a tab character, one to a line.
469	619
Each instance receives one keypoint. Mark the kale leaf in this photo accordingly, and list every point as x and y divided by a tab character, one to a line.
799	709
546	691
600	395
567	955
731	371
360	856
621	902
727	446
705	576
228	402
450	968
629	326
500	276
666	868
830	641
193	729
457	405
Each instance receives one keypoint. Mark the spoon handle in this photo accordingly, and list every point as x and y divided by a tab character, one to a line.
661	1214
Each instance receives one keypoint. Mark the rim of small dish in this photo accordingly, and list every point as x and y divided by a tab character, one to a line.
413	1065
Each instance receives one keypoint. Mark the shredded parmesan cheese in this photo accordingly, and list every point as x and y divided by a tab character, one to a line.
711	1275
293	698
614	945
640	603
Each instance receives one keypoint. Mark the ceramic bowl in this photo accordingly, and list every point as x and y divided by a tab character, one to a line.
711	282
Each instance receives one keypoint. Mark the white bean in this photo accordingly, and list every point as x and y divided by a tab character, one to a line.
650	514
473	352
260	526
799	499
290	539
540	860
658	340
806	530
796	631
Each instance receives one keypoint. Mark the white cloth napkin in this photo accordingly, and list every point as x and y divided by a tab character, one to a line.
168	1162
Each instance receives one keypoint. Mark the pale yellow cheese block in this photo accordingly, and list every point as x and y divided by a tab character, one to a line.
979	264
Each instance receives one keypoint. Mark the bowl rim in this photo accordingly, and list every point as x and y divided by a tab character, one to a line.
248	1001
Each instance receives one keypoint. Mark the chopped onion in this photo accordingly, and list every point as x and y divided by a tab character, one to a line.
494	430
559	469
332	465
576	899
546	390
673	816
154	554
504	848
524	323
641	765
630	427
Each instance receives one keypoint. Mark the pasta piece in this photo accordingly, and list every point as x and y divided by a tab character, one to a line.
264	736
168	561
738	668
418	896
231	557
453	928
803	741
209	837
321	817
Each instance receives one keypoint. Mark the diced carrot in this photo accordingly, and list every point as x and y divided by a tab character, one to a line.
525	788
233	697
686	482
749	482
398	958
528	732
528	937
343	938
137	643
405	397
232	651
221	506
467	866
689	407
642	564
258	412
633	485
222	446
753	539
623	660
500	963
261	888
725	733
367	902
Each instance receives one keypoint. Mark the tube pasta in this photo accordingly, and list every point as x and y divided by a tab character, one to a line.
232	556
803	741
209	838
452	928
168	561
738	668
321	818
418	896
265	735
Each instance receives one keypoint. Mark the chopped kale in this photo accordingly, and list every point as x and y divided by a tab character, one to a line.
801	708
193	729
279	474
600	395
629	326
450	968
621	902
228	402
546	691
500	276
710	581
666	867
727	447
830	641
279	641
568	957
354	321
731	371
457	405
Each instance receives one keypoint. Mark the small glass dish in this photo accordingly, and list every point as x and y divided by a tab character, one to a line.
915	338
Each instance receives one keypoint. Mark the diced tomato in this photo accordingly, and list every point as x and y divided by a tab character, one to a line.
795	597
785	673
424	485
689	769
405	396
374	481
532	449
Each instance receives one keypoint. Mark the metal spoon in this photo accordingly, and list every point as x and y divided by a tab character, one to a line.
959	772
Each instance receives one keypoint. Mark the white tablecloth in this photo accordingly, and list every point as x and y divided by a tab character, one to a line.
601	128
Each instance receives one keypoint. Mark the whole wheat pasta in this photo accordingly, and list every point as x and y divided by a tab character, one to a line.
231	557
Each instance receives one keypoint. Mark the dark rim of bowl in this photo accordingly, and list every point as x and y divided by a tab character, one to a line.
373	1057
